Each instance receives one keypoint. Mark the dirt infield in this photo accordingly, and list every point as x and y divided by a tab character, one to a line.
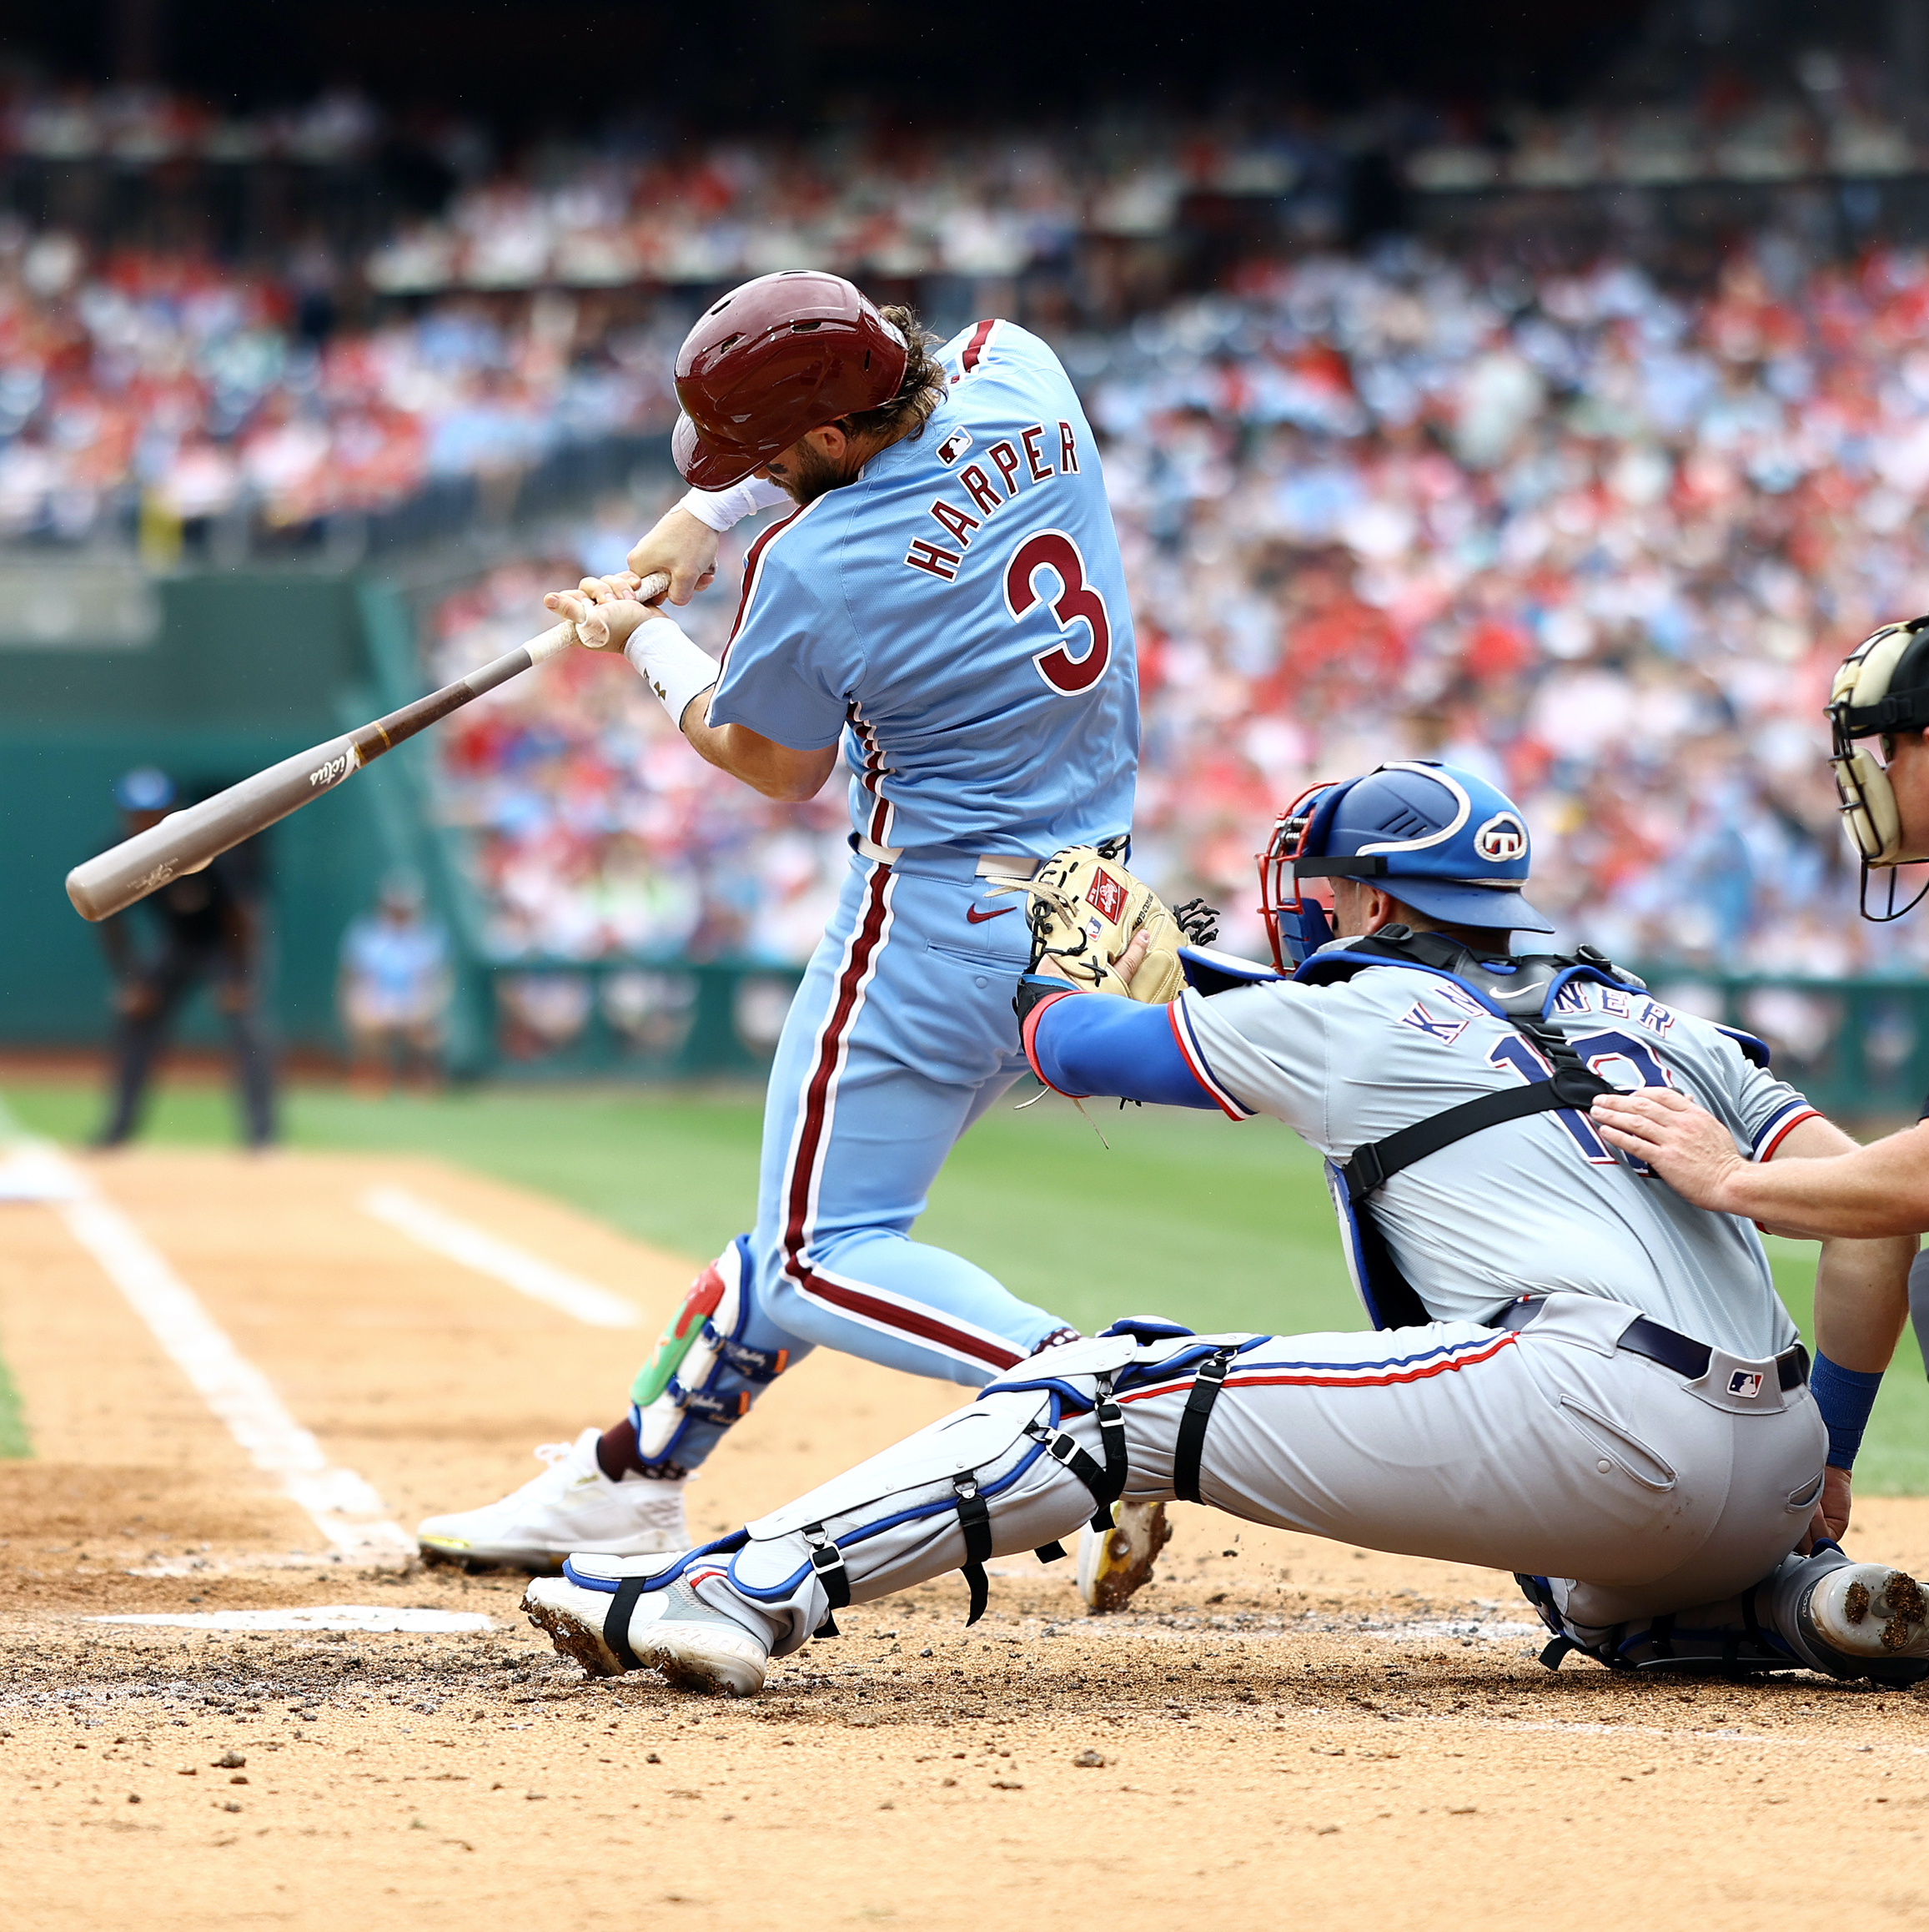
1283	1731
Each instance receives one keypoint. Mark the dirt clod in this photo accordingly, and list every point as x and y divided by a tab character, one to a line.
1855	1602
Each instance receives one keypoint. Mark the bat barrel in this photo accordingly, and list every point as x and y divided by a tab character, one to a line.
186	841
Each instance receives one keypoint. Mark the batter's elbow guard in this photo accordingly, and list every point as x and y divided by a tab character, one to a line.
700	1372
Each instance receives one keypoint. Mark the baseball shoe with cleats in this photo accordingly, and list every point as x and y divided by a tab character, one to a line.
671	1631
1870	1617
1114	1567
571	1506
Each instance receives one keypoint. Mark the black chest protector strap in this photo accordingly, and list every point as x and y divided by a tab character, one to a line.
1373	1166
1570	1085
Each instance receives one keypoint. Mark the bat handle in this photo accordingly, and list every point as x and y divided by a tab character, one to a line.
651	588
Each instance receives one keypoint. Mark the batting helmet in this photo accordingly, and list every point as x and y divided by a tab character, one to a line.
782	355
1434	838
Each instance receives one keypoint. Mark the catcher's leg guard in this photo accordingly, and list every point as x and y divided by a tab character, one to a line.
1039	1452
1773	1626
704	1375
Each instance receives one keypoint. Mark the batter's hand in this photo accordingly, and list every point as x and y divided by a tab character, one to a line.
603	610
682	546
1688	1147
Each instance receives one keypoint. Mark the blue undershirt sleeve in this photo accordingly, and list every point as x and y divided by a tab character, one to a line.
1094	1044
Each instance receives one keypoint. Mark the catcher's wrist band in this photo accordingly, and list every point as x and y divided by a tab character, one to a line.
1844	1397
722	509
670	665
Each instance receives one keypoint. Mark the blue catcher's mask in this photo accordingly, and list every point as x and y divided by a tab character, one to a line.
1436	837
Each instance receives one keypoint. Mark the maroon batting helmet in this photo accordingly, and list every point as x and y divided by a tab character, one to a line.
782	355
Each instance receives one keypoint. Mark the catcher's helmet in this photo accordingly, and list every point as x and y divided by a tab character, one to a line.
1437	838
1881	689
779	356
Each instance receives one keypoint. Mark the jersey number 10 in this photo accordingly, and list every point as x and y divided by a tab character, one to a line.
1076	602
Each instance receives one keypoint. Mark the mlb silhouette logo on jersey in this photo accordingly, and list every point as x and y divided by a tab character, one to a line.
1107	894
1745	1383
954	445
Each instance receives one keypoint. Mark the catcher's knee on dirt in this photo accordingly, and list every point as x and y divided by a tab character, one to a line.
703	1373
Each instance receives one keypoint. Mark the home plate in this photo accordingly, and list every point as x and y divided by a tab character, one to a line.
317	1616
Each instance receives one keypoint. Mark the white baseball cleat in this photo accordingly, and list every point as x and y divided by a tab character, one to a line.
671	1630
1869	1610
1113	1567
571	1506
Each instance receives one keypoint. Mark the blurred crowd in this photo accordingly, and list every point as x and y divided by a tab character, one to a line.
153	379
1839	119
1602	542
162	381
1602	533
593	829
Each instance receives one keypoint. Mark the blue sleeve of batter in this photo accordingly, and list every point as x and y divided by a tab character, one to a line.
1099	1045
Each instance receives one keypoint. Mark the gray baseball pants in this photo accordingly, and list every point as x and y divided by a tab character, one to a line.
1625	1495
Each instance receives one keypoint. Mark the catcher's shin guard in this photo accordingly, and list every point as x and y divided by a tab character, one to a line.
1041	1450
702	1371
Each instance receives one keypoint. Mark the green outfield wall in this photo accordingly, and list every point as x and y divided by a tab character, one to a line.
239	669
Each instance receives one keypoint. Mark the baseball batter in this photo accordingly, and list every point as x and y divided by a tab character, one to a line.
1574	1375
945	602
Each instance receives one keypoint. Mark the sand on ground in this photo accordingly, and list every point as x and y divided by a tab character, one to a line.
1280	1729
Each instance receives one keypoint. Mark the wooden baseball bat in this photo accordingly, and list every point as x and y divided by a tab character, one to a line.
186	841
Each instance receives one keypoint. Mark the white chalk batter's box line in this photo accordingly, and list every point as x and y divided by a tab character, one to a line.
372	1619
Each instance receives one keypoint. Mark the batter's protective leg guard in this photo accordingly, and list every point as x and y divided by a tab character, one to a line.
704	1376
1040	1451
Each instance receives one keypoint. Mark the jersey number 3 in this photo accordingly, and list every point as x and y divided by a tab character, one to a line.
1077	602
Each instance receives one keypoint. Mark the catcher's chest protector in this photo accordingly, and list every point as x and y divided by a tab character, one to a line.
1525	992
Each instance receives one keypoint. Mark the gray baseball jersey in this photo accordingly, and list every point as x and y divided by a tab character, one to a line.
1540	1204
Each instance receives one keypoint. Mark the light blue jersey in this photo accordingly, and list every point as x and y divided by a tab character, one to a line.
960	611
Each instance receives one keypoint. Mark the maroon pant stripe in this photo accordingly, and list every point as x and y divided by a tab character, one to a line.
805	1164
810	1144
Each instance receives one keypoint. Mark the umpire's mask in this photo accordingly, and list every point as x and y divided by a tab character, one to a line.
1882	688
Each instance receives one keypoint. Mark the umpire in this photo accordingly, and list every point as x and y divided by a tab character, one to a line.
210	931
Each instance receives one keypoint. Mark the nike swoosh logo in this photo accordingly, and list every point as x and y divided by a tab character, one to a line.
978	919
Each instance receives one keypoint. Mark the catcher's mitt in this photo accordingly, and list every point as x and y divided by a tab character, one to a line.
1086	908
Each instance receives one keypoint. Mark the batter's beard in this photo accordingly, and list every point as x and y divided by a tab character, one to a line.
814	475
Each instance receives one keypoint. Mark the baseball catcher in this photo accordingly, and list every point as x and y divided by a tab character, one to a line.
1572	1374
